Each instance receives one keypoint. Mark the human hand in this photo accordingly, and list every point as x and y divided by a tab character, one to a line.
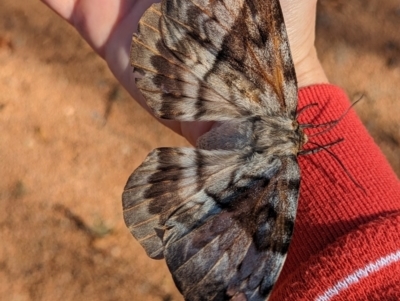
107	25
300	25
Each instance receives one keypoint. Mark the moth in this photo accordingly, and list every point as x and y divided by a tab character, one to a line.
221	214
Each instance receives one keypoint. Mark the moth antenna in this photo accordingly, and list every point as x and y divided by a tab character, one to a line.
331	123
325	148
302	110
319	147
314	126
311	125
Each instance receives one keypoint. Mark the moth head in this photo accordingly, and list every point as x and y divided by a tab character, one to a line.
300	134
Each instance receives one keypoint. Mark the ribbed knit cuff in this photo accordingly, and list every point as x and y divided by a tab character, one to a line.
332	207
362	265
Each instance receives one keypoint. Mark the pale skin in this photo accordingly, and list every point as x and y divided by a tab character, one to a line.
107	25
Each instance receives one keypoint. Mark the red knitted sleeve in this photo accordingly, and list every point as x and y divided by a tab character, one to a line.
346	242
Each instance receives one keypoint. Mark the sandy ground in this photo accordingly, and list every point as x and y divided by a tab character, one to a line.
70	136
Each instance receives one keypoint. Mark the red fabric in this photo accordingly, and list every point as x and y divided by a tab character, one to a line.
346	243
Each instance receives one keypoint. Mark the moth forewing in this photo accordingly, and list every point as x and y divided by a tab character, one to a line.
221	214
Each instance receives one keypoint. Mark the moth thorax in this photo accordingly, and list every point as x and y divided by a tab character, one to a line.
280	134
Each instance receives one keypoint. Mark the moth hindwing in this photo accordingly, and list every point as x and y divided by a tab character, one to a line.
221	214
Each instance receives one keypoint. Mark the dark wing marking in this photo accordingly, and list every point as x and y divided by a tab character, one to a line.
215	60
223	220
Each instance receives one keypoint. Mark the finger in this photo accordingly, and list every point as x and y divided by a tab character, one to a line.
94	20
62	8
193	130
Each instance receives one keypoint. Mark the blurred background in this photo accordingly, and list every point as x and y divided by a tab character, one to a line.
70	136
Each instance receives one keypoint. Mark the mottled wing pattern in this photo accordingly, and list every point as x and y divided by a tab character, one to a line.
215	60
222	219
222	216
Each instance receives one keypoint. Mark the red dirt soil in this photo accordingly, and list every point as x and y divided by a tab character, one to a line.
71	136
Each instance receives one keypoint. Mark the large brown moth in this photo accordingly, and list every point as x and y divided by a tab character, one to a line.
221	214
